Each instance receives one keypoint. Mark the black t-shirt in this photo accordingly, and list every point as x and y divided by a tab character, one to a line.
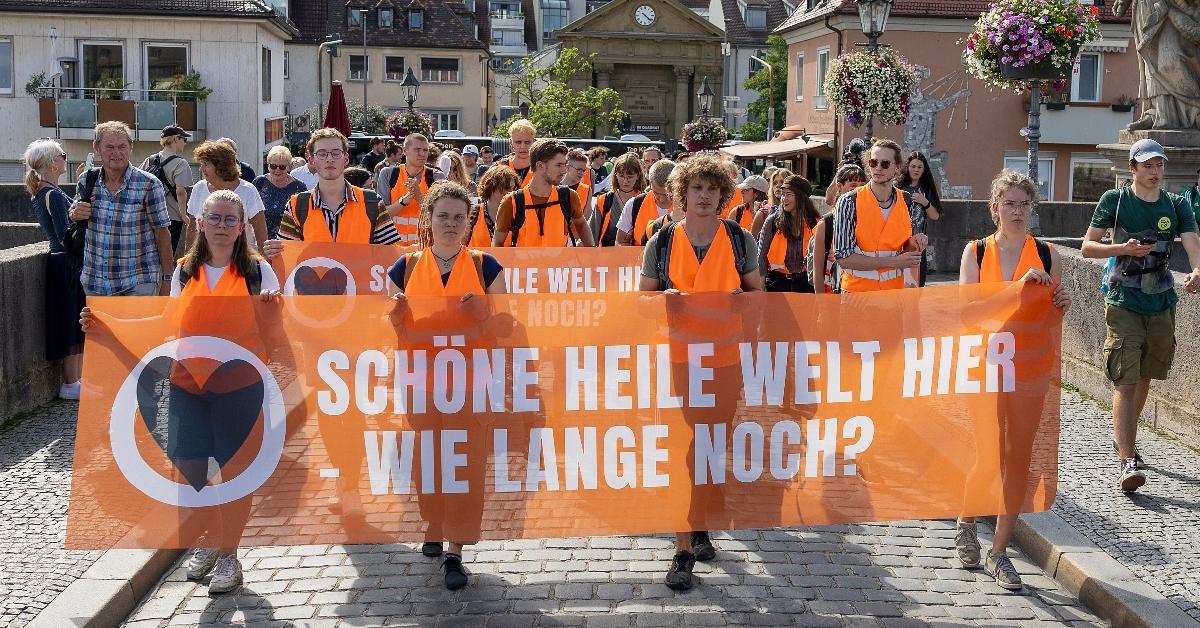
372	159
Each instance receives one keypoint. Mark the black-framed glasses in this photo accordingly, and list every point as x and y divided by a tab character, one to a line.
216	220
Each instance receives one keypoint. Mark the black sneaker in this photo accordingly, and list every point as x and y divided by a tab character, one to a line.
431	549
702	546
679	576
1132	477
456	575
1137	455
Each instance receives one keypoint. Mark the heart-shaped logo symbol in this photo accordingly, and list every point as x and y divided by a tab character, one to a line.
200	408
320	281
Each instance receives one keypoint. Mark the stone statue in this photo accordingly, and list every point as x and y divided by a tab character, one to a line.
1167	36
920	131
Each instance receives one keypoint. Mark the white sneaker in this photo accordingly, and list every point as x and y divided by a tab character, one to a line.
227	576
69	391
201	562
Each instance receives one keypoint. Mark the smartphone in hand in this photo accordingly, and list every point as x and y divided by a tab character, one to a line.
89	163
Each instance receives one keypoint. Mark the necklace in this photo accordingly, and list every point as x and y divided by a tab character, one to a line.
891	199
445	260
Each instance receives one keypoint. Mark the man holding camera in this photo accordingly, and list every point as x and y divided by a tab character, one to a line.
1139	303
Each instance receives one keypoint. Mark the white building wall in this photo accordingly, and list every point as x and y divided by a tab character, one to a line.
300	88
226	52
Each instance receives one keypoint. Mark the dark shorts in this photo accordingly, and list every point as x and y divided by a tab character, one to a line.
1138	346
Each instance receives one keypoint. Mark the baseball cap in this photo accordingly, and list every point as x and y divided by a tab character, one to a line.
1145	150
470	149
175	130
755	182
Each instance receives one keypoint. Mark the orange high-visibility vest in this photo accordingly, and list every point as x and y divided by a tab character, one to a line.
423	277
777	253
409	216
354	226
743	215
201	319
481	232
876	238
528	173
718	271
989	267
734	201
549	229
645	214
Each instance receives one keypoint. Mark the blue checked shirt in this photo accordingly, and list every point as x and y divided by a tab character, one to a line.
120	251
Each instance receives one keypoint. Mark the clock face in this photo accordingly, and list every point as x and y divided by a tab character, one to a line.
644	15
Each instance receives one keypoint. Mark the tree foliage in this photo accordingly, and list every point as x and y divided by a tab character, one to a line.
753	131
777	56
557	108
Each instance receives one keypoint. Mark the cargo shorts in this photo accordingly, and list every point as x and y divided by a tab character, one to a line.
1138	346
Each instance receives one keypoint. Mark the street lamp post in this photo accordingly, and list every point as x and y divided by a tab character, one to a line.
771	98
410	85
705	98
873	17
362	17
330	45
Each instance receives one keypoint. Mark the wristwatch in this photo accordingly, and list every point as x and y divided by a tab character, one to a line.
165	277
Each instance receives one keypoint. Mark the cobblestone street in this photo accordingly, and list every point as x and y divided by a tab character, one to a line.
35	482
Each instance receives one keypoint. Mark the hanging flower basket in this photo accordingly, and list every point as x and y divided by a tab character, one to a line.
704	134
862	84
403	123
1019	41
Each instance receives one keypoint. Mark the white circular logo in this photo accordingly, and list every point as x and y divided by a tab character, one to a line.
327	264
159	488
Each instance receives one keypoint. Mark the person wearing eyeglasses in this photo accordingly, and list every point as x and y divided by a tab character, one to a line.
574	178
333	210
878	232
219	170
277	187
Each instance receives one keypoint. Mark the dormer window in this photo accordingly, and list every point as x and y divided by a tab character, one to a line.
386	17
354	18
756	19
416	19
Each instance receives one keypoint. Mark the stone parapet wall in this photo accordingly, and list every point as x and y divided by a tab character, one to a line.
27	380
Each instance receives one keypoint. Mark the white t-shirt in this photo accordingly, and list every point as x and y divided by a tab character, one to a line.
625	222
305	176
213	274
245	191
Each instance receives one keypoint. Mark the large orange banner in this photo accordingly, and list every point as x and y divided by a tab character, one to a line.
335	419
331	269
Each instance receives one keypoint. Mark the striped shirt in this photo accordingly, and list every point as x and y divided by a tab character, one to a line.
845	243
384	233
120	251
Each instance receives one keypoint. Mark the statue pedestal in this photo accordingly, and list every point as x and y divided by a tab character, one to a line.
1183	156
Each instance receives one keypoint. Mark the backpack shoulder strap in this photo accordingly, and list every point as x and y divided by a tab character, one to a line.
518	221
564	202
184	276
734	230
393	176
303	205
370	206
254	279
429	175
1043	250
980	250
662	250
410	263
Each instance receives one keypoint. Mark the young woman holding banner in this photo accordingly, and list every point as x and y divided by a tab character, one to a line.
783	242
446	268
1010	254
214	419
701	253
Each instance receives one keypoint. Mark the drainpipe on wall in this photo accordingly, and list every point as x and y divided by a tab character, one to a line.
836	127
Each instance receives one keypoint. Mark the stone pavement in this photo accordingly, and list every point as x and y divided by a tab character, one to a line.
901	574
1154	532
35	482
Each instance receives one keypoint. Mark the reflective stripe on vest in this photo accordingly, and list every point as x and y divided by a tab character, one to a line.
353	227
875	237
409	216
426	278
990	269
716	273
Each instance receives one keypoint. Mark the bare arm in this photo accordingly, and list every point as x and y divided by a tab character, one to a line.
499	237
647	284
580	227
1094	248
968	268
752	282
624	238
259	224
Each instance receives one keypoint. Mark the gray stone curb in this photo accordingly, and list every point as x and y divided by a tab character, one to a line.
108	591
1101	582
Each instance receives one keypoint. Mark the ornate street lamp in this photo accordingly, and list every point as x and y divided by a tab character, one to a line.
873	17
410	85
705	97
524	109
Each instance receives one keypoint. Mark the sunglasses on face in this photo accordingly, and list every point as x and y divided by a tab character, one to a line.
879	163
278	166
216	220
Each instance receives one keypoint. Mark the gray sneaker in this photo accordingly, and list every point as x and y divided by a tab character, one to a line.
201	562
227	575
1000	567
1132	477
1137	455
966	545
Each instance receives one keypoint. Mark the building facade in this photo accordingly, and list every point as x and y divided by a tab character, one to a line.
971	132
104	65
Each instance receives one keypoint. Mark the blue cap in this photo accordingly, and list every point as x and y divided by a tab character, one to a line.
1145	150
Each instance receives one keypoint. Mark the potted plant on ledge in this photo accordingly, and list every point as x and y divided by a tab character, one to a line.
190	93
863	84
40	87
403	123
703	134
1123	104
1019	41
111	103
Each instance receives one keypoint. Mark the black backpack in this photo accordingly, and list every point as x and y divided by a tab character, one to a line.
609	237
253	279
518	221
1043	251
667	234
157	166
76	233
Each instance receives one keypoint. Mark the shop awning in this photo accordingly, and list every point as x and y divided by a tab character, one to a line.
777	150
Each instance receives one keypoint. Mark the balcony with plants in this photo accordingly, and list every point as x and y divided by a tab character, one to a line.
73	111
